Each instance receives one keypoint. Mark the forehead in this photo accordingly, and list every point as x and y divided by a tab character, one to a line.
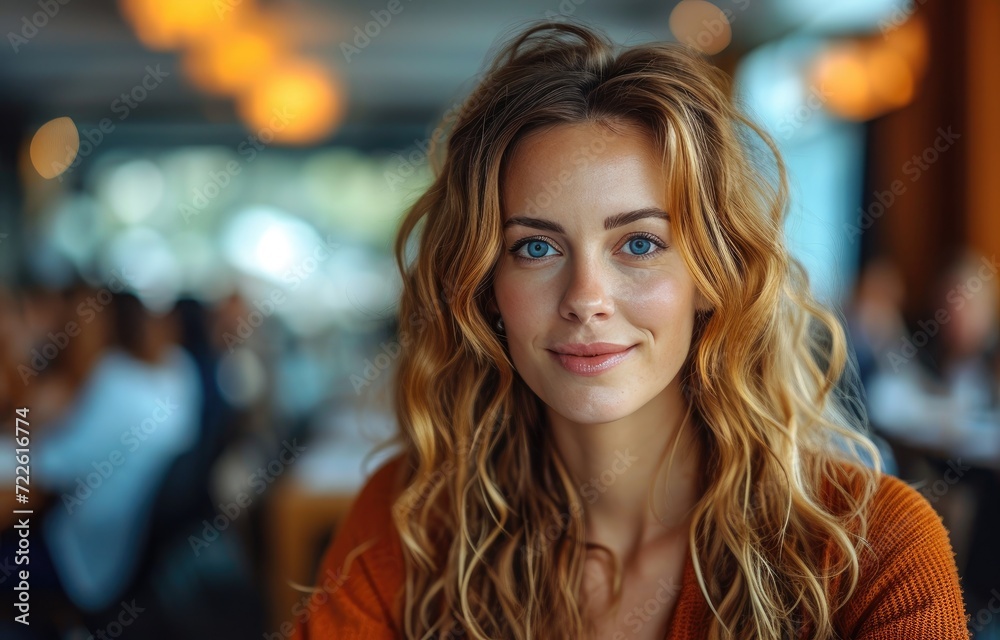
584	167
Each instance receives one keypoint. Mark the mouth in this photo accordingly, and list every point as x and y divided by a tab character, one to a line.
591	349
592	365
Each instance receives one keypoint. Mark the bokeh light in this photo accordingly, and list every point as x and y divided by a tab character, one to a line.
843	77
54	147
233	59
133	190
701	25
892	79
168	24
298	103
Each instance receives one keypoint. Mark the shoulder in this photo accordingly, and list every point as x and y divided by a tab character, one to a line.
370	513
360	579
369	525
898	515
909	585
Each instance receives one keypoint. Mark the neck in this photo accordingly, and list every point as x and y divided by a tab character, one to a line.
633	490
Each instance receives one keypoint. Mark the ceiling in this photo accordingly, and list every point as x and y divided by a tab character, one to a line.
417	67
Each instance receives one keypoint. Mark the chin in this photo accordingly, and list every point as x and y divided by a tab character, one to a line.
593	408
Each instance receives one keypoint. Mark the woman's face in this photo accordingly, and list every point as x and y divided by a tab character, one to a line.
590	260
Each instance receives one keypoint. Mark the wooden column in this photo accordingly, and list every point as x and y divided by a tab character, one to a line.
982	109
926	225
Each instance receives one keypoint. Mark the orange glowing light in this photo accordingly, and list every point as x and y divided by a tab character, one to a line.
890	77
298	103
702	25
54	147
168	24
230	62
911	40
842	76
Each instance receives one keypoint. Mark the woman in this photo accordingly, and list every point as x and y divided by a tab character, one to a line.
619	404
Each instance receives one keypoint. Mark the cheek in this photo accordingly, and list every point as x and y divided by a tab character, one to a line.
663	310
659	304
521	301
524	304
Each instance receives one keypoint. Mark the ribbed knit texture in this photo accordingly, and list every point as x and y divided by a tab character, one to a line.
908	590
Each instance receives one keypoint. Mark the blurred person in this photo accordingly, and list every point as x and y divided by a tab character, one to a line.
21	390
937	395
967	356
54	339
247	357
953	358
940	384
185	500
966	364
104	459
47	364
875	316
615	398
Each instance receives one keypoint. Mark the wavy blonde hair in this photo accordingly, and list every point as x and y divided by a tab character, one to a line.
761	380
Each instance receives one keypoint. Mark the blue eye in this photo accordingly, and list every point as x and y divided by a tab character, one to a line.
644	245
639	246
536	248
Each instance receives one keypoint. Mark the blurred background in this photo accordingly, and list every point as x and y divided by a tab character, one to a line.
197	204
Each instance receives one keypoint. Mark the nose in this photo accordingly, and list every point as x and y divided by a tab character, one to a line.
588	294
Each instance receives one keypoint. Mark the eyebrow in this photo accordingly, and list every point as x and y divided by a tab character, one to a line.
611	222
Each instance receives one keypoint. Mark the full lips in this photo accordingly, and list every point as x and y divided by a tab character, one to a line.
592	365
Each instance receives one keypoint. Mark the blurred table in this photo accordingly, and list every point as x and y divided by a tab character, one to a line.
902	413
302	513
975	440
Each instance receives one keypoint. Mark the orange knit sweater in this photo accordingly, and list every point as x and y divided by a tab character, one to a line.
913	593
